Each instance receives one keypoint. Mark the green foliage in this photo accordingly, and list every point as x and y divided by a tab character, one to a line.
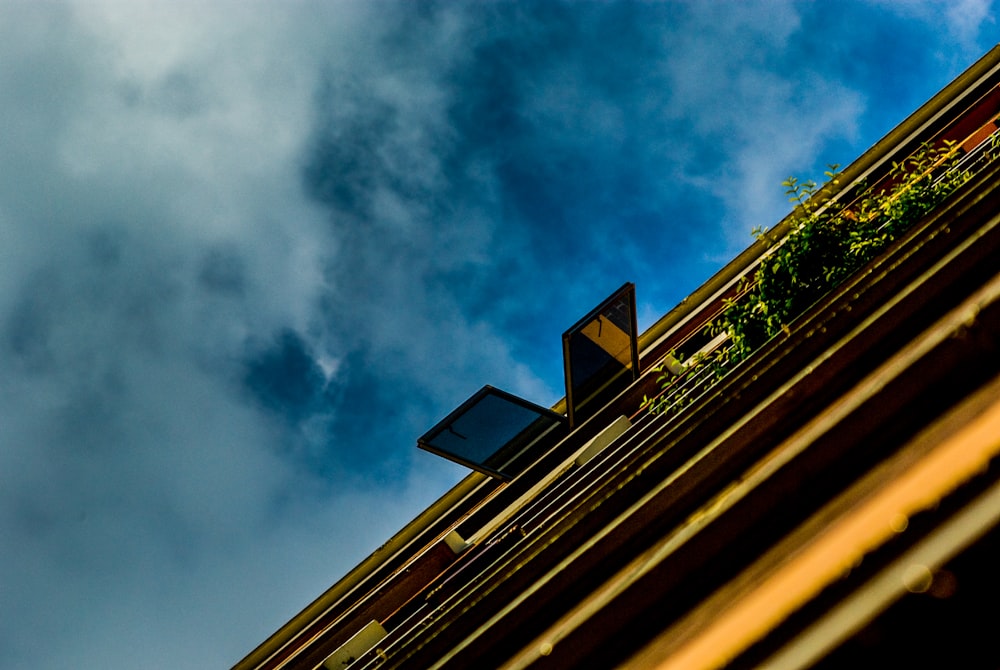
828	240
661	402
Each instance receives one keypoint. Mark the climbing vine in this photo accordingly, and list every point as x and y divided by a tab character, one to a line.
828	240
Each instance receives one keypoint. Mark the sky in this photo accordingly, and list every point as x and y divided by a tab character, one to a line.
251	250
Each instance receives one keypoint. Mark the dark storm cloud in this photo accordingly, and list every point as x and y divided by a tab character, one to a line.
250	252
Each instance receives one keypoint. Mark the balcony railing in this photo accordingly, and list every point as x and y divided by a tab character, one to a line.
681	384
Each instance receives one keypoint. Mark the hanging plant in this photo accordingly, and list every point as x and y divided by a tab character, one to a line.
828	240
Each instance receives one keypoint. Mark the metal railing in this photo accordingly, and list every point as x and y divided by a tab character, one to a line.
711	364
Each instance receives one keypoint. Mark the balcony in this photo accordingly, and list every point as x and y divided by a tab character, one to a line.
682	382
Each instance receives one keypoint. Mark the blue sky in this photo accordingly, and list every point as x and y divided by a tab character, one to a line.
251	250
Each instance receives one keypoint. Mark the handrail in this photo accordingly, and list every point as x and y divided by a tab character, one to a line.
710	365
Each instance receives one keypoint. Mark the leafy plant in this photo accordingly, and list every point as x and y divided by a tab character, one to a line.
828	240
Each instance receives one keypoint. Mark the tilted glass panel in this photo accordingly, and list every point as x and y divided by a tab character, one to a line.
601	355
489	431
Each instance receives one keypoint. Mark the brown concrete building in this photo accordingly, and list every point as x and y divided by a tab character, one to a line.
831	500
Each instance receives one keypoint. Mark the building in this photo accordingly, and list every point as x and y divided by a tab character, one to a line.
831	499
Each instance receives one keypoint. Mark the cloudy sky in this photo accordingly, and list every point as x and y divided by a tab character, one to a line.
250	250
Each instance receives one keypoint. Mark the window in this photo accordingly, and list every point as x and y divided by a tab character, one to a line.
601	355
490	431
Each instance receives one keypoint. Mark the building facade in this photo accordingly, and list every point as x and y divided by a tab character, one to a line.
831	498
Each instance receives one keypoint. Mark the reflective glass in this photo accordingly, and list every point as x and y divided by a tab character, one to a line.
490	430
600	355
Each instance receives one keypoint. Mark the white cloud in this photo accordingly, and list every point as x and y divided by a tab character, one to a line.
765	123
963	20
153	223
153	220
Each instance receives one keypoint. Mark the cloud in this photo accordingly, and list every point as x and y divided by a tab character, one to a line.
967	18
963	19
153	222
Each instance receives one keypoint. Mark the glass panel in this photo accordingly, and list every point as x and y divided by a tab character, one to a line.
601	355
489	431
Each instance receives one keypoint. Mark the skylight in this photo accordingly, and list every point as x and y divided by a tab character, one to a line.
601	355
490	430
